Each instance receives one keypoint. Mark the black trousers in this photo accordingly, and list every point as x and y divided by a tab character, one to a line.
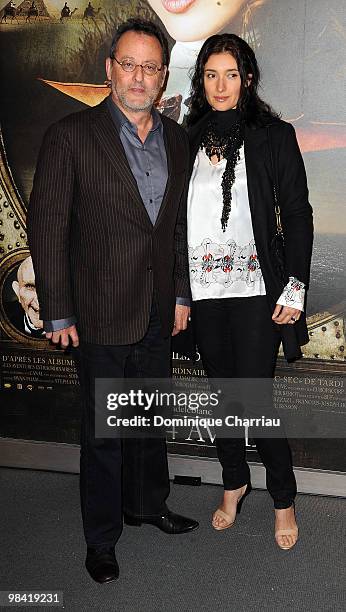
237	338
120	475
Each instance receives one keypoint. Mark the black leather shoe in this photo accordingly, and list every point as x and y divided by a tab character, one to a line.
168	522
102	564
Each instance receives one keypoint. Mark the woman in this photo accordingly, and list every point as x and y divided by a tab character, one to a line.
241	151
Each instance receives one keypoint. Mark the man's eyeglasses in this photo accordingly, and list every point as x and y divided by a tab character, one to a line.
130	66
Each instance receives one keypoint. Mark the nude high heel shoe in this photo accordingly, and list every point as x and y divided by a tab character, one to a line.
290	531
227	517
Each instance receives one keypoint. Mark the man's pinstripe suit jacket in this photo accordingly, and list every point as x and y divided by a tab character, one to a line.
95	252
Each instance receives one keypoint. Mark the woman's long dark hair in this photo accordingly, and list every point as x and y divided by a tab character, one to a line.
251	106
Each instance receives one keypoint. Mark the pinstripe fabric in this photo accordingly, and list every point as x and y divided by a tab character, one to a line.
94	249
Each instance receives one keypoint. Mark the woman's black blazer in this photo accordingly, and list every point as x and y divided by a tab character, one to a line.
296	212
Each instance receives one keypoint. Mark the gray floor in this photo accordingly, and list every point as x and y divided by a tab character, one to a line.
240	569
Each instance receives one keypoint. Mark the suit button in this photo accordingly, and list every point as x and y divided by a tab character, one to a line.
149	268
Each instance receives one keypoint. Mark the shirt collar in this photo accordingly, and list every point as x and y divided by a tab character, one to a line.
120	120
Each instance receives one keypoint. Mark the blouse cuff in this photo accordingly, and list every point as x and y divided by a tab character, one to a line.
183	301
293	294
58	324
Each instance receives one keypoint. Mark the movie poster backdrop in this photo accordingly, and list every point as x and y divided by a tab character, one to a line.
52	64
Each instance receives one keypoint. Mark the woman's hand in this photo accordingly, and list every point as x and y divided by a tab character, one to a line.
285	314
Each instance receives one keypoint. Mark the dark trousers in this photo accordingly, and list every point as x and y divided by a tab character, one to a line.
117	475
237	339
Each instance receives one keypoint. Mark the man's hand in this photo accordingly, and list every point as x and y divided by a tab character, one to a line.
63	336
285	314
182	314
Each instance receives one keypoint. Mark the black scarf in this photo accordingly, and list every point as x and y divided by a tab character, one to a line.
224	137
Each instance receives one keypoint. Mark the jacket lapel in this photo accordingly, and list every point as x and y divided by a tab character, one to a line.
108	138
170	168
251	158
110	142
171	158
257	162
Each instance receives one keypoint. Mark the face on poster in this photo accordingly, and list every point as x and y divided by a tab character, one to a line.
25	290
193	20
19	301
298	52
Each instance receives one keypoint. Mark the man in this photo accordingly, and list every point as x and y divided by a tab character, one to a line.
109	197
26	312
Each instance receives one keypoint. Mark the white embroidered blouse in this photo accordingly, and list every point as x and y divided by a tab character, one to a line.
225	264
